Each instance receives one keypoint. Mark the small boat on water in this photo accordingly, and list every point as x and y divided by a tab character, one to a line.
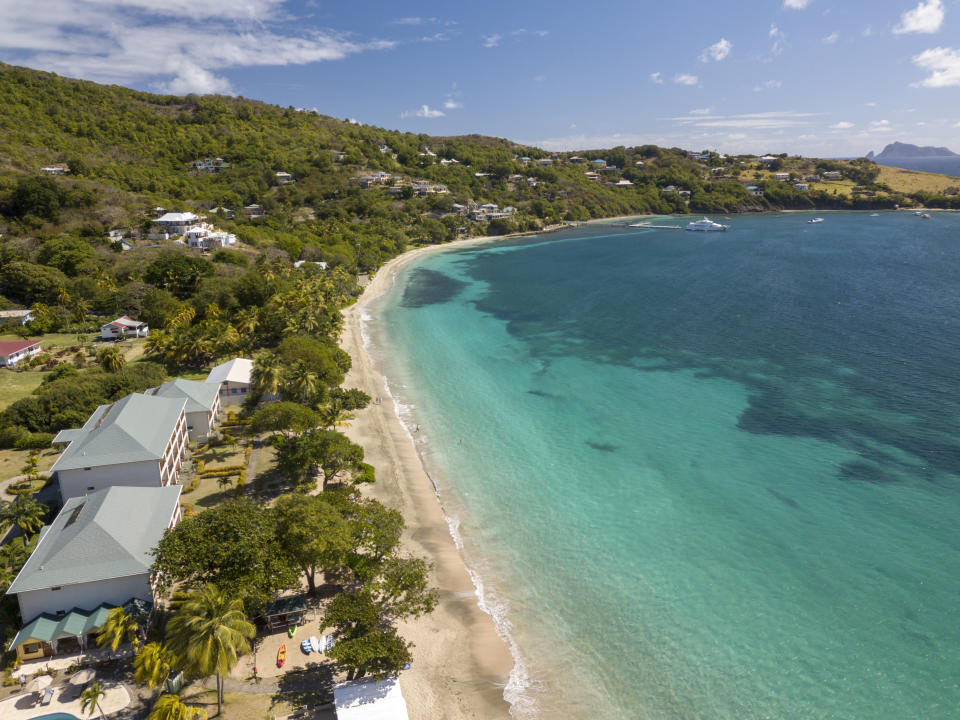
925	216
815	220
282	655
705	225
918	213
874	214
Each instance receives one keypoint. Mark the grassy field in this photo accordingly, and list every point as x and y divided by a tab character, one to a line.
15	385
11	461
910	181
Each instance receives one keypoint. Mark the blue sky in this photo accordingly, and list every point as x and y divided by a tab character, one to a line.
815	77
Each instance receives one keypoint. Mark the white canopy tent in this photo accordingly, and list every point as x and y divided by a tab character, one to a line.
370	700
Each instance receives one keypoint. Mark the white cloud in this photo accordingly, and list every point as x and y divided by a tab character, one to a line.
943	65
870	104
927	17
737	136
539	78
491	41
921	123
842	125
426	111
193	79
716	52
831	39
175	46
701	111
796	4
771	120
767	85
957	125
451	104
776	34
685	79
867	31
541	33
657	78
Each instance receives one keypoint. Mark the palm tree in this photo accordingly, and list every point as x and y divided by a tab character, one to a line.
153	664
210	631
90	698
157	342
26	513
111	359
171	707
119	628
306	385
267	374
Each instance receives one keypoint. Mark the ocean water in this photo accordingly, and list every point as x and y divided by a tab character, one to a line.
700	475
944	165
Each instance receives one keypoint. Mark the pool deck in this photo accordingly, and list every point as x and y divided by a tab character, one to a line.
66	699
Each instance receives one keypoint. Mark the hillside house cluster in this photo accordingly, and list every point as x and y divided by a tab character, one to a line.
210	165
489	211
118	478
16	317
378	178
419	188
55	170
833	175
284	178
124	327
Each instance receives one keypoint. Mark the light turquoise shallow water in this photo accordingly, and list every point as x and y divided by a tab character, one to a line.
700	477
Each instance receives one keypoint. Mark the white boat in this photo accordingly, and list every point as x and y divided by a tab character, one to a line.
925	216
918	213
705	225
874	214
815	220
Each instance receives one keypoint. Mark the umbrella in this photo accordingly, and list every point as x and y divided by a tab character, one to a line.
38	683
82	677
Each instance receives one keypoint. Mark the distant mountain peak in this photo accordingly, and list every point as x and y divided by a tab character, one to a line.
906	150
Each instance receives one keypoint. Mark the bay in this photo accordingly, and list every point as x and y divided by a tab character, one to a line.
700	475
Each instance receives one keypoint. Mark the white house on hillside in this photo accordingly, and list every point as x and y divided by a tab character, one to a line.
122	327
94	556
14	351
177	223
139	440
202	408
233	377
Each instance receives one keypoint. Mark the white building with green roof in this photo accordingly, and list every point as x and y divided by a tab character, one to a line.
202	408
139	441
94	556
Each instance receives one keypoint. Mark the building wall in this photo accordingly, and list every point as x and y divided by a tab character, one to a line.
76	483
200	423
85	596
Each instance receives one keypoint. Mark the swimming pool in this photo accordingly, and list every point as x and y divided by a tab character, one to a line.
56	716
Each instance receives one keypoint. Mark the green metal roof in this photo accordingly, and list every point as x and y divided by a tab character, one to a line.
48	627
107	534
133	429
285	605
200	396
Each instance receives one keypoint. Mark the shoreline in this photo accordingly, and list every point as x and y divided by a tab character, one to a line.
461	665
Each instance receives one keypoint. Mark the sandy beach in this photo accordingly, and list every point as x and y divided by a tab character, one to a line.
461	665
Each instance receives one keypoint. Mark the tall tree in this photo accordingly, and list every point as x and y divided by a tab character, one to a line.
119	628
90	698
312	534
210	631
27	514
171	707
111	359
232	545
153	665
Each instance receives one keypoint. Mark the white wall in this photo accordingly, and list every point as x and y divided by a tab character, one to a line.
200	423
85	596
76	483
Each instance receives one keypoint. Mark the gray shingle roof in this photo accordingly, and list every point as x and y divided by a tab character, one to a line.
200	396
99	536
133	429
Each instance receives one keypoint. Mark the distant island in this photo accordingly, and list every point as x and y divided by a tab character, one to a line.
898	150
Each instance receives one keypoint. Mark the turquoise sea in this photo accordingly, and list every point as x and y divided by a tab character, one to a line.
700	475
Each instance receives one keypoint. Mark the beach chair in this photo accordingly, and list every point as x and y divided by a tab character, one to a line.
47	697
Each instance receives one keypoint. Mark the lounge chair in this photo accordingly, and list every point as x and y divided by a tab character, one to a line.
47	697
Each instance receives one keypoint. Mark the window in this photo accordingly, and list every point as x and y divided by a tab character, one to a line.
54	589
85	469
90	488
32	647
